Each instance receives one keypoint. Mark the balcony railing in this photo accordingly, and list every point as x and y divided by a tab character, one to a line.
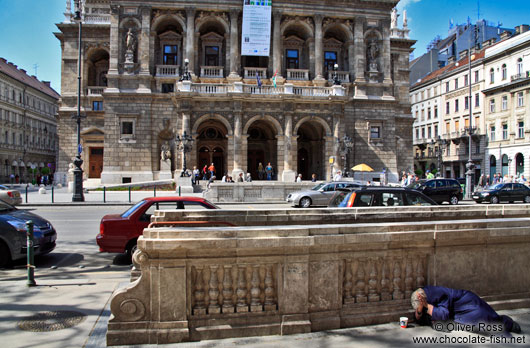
220	88
264	90
95	91
97	19
520	76
250	73
312	91
167	70
344	76
211	88
212	71
298	74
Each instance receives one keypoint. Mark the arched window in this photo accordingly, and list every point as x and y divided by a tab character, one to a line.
492	75
504	72
519	164
505	165
520	67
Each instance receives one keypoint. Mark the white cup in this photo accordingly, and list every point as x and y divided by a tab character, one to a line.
403	322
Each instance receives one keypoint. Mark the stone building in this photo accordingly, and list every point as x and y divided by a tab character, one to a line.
28	125
133	58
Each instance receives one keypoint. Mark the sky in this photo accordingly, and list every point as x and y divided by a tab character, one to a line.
26	33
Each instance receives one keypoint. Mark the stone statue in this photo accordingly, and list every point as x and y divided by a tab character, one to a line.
394	19
373	51
405	20
130	41
165	152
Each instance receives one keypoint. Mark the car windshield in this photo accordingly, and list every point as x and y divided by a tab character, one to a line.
318	187
6	207
496	187
132	209
415	184
340	198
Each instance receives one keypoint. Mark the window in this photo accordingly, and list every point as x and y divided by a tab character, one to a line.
429	113
435	112
330	59
492	105
476	76
466	80
170	55
293	61
505	131
520	130
447	127
466	103
417	133
211	56
375	132
447	87
429	132
492	75
520	66
456	105
168	88
504	72
504	105
520	99
97	105
435	130
423	133
128	129
477	148
477	100
456	83
447	108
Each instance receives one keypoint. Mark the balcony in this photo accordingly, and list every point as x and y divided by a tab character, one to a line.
211	88
212	71
95	91
520	76
289	89
167	71
344	76
250	73
298	74
312	91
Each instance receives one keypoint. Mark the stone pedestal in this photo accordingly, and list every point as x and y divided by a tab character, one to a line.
184	182
288	176
165	170
319	81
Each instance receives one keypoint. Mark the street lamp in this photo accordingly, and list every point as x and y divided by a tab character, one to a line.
442	143
186	76
336	81
347	145
184	143
78	172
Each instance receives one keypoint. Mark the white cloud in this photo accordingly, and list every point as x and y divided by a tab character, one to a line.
403	4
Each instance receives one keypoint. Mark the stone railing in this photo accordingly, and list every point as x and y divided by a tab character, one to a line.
250	73
255	191
298	74
313	91
95	91
264	89
212	71
344	76
167	70
96	19
201	283
211	88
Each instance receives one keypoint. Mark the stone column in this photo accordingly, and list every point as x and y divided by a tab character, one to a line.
143	48
288	174
114	48
319	47
277	44
386	55
190	38
359	49
351	59
237	146
234	46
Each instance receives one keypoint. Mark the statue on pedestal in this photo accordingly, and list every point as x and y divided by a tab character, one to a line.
130	42
373	52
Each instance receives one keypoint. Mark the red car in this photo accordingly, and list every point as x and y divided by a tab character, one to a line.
118	233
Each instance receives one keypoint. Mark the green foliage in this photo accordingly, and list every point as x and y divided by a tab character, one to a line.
45	171
419	172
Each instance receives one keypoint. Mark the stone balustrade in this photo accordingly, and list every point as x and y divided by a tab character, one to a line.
255	191
298	74
212	71
344	76
250	73
167	70
202	283
95	91
96	18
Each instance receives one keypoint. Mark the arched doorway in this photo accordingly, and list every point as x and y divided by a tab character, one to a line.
311	147
261	148
505	167
212	144
519	164
493	166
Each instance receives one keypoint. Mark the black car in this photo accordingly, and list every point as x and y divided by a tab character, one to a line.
13	238
379	196
504	192
440	190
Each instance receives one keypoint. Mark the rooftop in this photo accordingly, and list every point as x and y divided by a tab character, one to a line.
20	75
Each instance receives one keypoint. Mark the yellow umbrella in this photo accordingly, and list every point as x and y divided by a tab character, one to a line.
362	168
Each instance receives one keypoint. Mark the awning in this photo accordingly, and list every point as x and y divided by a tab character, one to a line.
41	165
14	164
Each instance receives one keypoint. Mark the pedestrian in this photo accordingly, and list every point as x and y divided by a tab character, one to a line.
299	178
240	178
211	169
522	179
429	175
488	180
196	175
224	178
313	177
205	172
248	178
268	171
481	182
261	171
338	176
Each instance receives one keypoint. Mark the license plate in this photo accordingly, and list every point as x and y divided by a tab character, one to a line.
475	197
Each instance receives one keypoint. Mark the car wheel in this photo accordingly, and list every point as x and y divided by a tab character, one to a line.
131	248
527	199
453	200
5	255
305	202
494	200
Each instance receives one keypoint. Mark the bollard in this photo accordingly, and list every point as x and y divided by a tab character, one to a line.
154	191
179	192
104	194
129	194
27	193
30	266
52	195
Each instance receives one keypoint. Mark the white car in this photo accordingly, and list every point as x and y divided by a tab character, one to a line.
9	195
321	194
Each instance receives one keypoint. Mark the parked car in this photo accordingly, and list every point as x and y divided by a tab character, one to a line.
10	196
379	196
13	240
503	192
440	190
118	233
321	194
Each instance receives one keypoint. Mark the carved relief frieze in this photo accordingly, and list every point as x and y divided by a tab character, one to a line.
158	13
307	20
204	14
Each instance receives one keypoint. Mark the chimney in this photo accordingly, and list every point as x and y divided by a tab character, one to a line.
24	71
463	54
47	83
489	42
451	59
35	77
523	28
505	35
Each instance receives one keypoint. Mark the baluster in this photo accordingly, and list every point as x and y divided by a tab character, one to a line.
348	285
199	293
397	294
270	304
409	281
373	296
360	295
228	306
354	268
241	290
255	291
385	282
213	293
420	274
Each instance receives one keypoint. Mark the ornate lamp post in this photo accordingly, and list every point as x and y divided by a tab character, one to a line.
78	172
442	143
336	81
347	145
184	143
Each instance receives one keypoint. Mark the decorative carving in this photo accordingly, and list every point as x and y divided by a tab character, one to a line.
372	52
133	309
270	303
307	20
385	282
165	152
420	278
409	281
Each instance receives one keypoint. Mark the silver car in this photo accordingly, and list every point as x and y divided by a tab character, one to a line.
321	194
10	196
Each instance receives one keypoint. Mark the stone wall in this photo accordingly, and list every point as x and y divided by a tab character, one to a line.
217	282
254	191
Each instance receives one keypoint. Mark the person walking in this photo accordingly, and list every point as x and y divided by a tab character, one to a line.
268	171
205	172
196	175
261	171
211	169
299	178
240	178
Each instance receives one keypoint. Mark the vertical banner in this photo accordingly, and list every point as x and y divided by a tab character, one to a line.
256	31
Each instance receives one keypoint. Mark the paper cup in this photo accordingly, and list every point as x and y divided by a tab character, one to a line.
403	322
